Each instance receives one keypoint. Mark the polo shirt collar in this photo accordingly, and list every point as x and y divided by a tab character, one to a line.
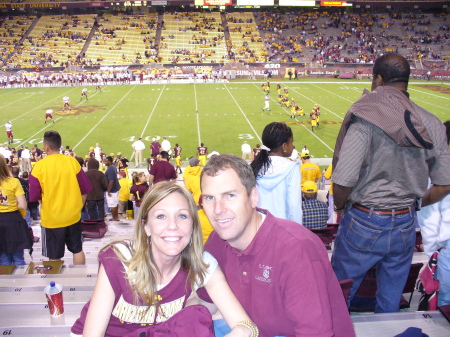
260	238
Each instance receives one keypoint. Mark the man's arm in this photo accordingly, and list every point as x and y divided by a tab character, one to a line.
84	183
35	188
151	179
110	186
341	194
309	278
434	194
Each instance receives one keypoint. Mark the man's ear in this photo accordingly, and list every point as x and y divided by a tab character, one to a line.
254	197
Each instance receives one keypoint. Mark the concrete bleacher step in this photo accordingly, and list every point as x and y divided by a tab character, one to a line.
31	283
38	297
35	320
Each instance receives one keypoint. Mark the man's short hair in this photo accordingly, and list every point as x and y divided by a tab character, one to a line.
228	161
80	161
25	175
15	171
52	139
310	195
109	158
164	154
392	68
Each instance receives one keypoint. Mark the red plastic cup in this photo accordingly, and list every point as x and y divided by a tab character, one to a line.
55	300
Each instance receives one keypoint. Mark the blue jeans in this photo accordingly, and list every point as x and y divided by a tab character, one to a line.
28	218
95	209
16	258
135	210
443	275
221	328
366	239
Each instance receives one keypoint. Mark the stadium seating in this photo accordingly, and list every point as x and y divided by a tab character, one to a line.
123	39
192	38
245	44
56	40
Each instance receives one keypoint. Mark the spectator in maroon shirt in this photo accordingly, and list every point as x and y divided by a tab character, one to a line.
137	191
162	170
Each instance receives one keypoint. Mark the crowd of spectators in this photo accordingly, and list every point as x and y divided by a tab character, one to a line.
296	36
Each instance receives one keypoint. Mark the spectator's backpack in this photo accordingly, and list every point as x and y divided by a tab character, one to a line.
428	286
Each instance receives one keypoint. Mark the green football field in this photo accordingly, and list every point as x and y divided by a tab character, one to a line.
228	113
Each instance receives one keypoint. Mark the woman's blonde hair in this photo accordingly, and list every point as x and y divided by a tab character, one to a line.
142	271
4	171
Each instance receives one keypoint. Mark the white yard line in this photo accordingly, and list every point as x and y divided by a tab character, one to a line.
333	93
425	102
314	101
196	115
150	116
98	123
428	93
21	99
243	114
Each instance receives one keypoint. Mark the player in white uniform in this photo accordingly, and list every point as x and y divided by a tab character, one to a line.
9	132
66	101
48	114
266	102
84	94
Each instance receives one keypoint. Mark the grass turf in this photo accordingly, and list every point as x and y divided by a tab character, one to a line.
228	113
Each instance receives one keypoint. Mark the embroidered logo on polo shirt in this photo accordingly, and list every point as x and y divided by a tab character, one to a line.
265	273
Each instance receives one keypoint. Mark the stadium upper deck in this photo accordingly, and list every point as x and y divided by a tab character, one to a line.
177	37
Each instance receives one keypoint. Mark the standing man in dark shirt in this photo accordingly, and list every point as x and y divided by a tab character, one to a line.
162	170
386	151
95	199
155	147
112	188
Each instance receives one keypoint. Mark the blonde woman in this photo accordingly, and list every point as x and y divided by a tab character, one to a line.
144	282
14	229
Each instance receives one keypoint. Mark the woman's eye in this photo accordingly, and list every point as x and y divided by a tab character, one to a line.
160	216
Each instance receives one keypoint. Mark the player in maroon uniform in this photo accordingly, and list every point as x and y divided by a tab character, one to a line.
202	151
177	157
256	150
68	152
14	159
150	162
122	163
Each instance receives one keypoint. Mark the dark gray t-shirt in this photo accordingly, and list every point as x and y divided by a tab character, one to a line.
111	174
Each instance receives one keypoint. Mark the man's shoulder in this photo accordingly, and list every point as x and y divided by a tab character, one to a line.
287	235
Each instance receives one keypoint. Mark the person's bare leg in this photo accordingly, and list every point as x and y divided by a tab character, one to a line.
79	258
115	213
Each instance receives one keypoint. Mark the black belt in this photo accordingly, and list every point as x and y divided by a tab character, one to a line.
382	211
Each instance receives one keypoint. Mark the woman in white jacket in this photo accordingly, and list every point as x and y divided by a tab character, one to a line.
434	223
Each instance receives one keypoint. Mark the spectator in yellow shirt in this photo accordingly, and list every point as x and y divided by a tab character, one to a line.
124	193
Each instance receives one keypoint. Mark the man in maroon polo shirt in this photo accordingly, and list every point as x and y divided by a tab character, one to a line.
162	170
278	269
